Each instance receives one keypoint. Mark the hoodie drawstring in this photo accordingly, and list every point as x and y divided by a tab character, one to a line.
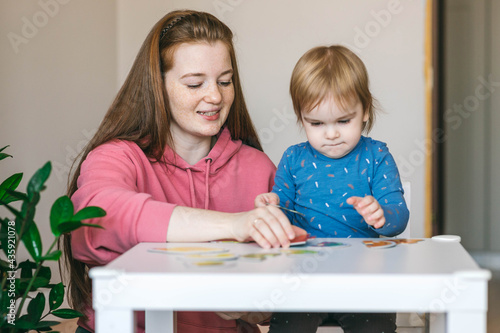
191	187
207	187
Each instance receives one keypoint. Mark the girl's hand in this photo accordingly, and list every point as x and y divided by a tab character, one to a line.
266	198
370	209
266	225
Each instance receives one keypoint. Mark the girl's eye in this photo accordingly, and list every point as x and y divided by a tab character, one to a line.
316	124
225	83
344	121
194	86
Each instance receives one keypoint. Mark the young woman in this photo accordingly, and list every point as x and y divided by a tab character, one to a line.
176	158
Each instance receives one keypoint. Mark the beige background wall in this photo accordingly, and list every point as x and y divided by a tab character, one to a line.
58	82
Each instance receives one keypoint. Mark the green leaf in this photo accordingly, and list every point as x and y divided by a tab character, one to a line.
28	209
38	282
2	149
10	183
56	296
12	196
45	272
35	308
54	256
67	313
19	216
92	225
3	155
4	265
89	213
27	268
33	242
47	324
28	264
68	226
36	183
24	323
4	234
62	211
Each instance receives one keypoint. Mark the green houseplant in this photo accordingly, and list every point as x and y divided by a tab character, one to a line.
22	301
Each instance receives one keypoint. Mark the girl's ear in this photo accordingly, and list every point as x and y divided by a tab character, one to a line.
366	116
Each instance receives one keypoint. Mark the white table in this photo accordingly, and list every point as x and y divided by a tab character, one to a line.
430	276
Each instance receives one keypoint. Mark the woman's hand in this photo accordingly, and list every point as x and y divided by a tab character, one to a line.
266	225
370	209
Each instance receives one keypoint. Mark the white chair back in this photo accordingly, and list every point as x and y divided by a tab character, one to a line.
407	195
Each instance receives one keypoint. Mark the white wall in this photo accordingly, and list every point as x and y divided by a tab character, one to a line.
58	83
58	77
270	36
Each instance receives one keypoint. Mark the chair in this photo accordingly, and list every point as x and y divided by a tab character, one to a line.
406	322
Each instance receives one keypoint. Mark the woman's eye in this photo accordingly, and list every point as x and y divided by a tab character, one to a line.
194	86
225	83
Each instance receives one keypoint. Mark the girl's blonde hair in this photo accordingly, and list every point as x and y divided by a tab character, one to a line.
331	71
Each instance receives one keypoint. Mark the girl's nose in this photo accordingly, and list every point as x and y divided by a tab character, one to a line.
331	132
213	94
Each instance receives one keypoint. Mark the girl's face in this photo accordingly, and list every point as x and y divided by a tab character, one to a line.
332	131
200	89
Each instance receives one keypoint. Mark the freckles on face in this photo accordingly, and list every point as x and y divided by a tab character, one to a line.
200	89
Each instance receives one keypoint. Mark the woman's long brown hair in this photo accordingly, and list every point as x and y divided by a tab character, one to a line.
140	112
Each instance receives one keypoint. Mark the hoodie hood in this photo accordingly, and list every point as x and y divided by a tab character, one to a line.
218	157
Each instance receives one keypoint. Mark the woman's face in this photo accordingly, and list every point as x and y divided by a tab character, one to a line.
200	89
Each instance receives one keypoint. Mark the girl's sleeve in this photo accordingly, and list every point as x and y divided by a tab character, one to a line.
284	185
108	179
388	191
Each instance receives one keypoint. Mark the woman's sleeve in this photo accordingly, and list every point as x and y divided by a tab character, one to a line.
388	191
108	179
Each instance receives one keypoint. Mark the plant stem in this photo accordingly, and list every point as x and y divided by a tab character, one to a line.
38	267
19	310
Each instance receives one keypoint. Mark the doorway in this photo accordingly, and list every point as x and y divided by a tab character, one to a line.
471	118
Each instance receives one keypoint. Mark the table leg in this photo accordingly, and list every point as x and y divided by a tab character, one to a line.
160	321
114	321
466	322
437	322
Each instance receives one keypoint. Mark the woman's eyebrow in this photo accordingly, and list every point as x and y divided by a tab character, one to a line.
229	71
192	74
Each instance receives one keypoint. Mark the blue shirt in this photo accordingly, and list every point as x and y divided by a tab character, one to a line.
318	187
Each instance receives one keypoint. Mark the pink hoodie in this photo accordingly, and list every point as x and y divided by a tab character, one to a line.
139	197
